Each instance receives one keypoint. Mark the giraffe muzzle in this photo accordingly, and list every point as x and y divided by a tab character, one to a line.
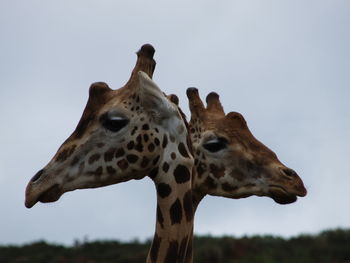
50	195
286	186
42	189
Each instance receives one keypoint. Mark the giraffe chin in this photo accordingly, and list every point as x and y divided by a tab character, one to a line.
281	196
51	195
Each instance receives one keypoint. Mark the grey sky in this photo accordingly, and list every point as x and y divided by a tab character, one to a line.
285	65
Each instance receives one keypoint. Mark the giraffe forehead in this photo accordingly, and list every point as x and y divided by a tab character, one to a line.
117	101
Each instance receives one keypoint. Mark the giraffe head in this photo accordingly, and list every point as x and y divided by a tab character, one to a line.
230	161
120	136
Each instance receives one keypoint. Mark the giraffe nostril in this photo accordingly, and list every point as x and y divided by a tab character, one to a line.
289	172
37	176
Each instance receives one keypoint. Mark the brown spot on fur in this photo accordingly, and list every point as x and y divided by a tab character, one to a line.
130	145
181	174
155	248
144	162
64	154
163	190
139	147
156	141
93	158
123	164
133	130
98	171
182	150
108	156
153	173
238	175
165	167
111	170
151	147
210	183
155	161
145	127
187	204
216	171
173	155
171	254
176	212
119	153
75	161
139	138
165	141
132	158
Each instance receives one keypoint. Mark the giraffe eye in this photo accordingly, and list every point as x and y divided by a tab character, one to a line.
114	123
216	144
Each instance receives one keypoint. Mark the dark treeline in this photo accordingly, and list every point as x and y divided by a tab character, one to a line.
332	246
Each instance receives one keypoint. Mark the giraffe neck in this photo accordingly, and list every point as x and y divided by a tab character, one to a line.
173	181
196	199
173	228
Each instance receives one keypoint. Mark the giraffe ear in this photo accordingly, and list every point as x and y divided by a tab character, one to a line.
153	100
174	99
236	119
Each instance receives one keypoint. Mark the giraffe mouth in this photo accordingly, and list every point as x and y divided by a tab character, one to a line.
50	195
280	195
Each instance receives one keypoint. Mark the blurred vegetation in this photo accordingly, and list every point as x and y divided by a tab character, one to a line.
331	246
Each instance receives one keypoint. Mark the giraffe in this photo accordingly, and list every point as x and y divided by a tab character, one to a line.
125	134
230	162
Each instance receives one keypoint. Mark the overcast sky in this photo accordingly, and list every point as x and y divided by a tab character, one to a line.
285	65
